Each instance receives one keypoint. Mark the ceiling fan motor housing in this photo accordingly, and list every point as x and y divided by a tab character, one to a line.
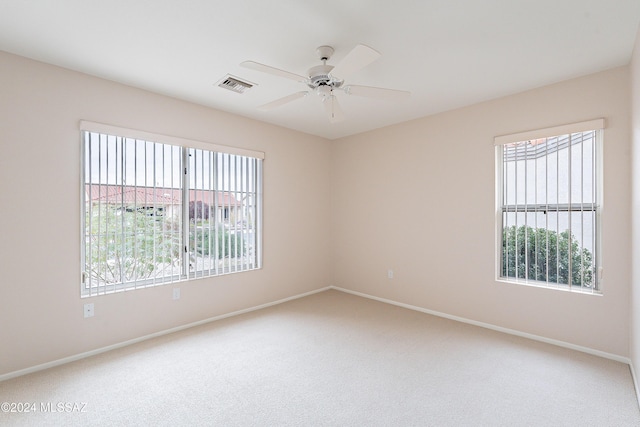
319	76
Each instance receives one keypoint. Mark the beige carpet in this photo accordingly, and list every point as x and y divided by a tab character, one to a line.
331	359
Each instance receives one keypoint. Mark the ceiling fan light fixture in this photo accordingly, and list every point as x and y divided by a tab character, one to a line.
323	91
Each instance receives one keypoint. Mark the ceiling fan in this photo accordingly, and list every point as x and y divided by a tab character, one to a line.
325	80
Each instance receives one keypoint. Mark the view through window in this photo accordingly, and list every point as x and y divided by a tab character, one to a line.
156	213
549	201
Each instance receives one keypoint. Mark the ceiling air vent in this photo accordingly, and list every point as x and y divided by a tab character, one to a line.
234	84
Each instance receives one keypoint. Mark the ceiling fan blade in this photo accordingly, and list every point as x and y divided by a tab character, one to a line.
376	92
281	101
272	70
333	109
358	58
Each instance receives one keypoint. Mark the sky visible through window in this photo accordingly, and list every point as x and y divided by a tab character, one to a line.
555	172
114	160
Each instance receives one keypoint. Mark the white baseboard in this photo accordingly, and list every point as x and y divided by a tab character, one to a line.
635	382
75	357
559	343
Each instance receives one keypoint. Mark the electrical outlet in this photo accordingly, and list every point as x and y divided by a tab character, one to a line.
390	274
88	310
176	293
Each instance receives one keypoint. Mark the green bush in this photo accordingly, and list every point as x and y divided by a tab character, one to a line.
541	254
134	244
128	244
228	244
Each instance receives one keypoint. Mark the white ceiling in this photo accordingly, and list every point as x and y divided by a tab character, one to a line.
448	53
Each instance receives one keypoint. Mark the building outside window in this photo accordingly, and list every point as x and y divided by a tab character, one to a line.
549	200
156	213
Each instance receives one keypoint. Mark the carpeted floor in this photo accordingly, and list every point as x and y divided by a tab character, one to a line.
330	359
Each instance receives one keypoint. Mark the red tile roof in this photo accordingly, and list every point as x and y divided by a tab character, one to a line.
150	196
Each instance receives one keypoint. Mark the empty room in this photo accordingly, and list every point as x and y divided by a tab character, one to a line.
346	213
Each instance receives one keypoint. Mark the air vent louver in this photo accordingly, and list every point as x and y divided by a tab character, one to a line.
234	84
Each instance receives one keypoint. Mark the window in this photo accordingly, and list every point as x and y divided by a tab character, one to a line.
549	196
155	213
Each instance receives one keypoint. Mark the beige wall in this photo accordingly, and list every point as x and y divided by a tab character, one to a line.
41	314
635	262
419	198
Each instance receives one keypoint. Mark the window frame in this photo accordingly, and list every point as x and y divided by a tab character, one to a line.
248	174
597	125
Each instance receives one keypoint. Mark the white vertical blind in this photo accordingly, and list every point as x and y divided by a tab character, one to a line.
549	205
156	213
